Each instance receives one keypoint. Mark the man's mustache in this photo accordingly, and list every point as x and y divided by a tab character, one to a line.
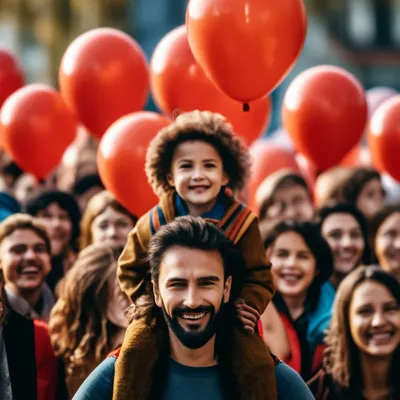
178	311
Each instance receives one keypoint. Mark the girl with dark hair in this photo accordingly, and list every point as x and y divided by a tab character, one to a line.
345	229
60	214
362	359
385	238
302	263
88	322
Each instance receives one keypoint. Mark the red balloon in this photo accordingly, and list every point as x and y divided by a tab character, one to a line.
267	158
384	137
246	47
121	159
36	128
325	112
173	62
11	74
103	76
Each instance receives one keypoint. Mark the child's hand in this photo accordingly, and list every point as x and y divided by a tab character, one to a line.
248	315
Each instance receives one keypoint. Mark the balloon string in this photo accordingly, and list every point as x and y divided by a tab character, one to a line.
246	107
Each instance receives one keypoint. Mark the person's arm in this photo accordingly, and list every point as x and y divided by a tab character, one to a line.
258	287
290	385
274	332
132	266
99	384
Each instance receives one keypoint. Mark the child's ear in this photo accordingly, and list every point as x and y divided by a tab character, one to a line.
170	180
225	179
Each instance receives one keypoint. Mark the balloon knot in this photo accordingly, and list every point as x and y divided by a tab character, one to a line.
246	107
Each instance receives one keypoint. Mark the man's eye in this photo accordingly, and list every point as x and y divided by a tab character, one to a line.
177	284
207	283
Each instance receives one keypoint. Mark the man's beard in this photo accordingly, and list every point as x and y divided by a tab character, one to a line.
194	337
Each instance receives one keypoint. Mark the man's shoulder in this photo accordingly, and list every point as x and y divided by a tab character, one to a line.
290	385
99	384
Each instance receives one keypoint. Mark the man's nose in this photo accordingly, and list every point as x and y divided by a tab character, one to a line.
30	254
192	298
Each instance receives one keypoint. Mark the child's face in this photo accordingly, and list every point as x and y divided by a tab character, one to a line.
197	175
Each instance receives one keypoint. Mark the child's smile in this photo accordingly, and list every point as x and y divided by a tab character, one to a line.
197	174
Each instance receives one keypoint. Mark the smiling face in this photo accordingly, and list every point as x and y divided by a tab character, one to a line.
111	227
387	244
371	198
374	316
197	174
344	236
293	265
59	227
25	260
191	291
291	202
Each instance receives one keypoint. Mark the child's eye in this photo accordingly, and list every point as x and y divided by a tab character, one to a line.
210	166
184	166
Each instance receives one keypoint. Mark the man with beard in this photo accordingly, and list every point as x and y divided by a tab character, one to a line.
25	262
194	268
29	370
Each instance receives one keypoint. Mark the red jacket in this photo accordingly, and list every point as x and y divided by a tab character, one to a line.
35	372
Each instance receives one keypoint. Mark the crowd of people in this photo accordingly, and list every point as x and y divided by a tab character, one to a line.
201	297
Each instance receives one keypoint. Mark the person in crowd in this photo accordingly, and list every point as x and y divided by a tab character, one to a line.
194	165
363	189
60	214
194	271
345	229
302	263
328	185
29	369
25	187
25	262
88	320
105	220
8	206
385	238
362	360
284	195
85	188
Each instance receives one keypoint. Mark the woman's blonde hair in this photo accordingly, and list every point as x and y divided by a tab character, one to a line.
96	206
79	327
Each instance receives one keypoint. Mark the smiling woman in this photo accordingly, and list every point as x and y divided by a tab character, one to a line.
363	344
301	264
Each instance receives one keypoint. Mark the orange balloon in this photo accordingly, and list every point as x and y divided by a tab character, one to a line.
325	112
246	47
384	137
103	76
121	159
36	128
267	158
173	62
11	74
307	170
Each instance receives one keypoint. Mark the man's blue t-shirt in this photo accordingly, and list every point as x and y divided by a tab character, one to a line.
190	383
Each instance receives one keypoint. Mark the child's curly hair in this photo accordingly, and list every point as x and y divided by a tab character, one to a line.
197	125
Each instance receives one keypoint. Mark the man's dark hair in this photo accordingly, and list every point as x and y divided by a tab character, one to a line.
196	233
87	182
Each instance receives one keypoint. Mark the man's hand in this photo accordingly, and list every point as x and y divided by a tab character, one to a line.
248	315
